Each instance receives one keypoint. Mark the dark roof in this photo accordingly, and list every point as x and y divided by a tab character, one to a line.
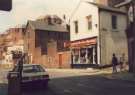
41	25
126	2
107	8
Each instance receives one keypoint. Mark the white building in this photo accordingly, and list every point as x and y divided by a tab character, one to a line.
96	33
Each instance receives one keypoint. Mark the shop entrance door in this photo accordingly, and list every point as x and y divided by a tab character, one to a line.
90	55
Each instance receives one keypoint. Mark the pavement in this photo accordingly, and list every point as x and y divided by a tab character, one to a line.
60	73
120	75
106	73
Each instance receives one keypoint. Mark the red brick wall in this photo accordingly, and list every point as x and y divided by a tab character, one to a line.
50	59
66	59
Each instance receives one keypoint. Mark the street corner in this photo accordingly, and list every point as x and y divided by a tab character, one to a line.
124	75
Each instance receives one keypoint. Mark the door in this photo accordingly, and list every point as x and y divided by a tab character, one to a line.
60	60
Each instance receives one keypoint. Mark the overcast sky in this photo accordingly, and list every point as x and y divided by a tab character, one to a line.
31	9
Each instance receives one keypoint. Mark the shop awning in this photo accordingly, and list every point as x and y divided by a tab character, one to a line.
81	43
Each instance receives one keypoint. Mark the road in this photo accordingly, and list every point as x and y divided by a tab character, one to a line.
80	83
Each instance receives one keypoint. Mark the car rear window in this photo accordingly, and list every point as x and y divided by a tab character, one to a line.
31	69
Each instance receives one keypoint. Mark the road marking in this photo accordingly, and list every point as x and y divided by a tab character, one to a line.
82	85
67	91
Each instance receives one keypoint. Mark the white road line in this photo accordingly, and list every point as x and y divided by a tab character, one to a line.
67	91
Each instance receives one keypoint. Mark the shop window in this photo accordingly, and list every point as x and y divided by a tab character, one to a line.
90	55
76	56
83	56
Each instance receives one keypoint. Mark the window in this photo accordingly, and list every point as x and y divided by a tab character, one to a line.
76	26
114	22
89	22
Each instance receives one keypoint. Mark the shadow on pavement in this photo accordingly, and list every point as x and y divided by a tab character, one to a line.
84	85
123	75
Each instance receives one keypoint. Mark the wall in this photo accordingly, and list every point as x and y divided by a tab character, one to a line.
12	40
30	44
84	10
112	41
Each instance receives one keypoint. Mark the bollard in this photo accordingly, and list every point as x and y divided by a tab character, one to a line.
14	83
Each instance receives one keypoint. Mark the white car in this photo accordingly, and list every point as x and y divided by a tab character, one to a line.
33	74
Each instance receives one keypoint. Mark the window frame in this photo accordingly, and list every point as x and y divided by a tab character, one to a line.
114	21
76	26
89	22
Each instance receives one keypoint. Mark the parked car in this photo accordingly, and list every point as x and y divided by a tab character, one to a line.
33	75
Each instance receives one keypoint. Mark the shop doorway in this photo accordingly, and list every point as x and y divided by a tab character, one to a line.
90	55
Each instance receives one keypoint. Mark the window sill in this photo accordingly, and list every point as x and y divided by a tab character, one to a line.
115	30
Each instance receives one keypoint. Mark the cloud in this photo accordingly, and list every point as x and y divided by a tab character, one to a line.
32	9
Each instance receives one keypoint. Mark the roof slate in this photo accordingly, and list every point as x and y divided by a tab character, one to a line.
41	25
107	8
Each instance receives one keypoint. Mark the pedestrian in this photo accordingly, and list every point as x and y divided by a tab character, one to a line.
114	63
122	62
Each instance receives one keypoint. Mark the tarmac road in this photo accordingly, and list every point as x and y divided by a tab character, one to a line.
64	82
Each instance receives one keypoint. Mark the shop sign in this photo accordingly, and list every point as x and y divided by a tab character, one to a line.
84	42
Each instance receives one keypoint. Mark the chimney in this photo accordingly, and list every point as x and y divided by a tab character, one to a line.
103	2
49	20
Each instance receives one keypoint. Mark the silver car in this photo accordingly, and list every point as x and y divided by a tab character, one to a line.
33	74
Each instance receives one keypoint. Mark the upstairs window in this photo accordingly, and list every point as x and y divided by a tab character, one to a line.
76	26
89	22
114	22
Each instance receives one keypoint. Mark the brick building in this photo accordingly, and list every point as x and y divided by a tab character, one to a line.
12	43
44	42
2	43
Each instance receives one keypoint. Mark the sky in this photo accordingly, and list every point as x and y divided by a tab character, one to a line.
24	10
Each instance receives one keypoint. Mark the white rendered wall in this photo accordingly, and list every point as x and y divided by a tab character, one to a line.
84	10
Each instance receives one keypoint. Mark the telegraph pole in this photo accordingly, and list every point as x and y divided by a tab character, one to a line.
133	6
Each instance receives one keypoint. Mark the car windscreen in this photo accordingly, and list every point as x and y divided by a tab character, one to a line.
32	69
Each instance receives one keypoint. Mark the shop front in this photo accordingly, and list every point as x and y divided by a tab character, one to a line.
84	53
